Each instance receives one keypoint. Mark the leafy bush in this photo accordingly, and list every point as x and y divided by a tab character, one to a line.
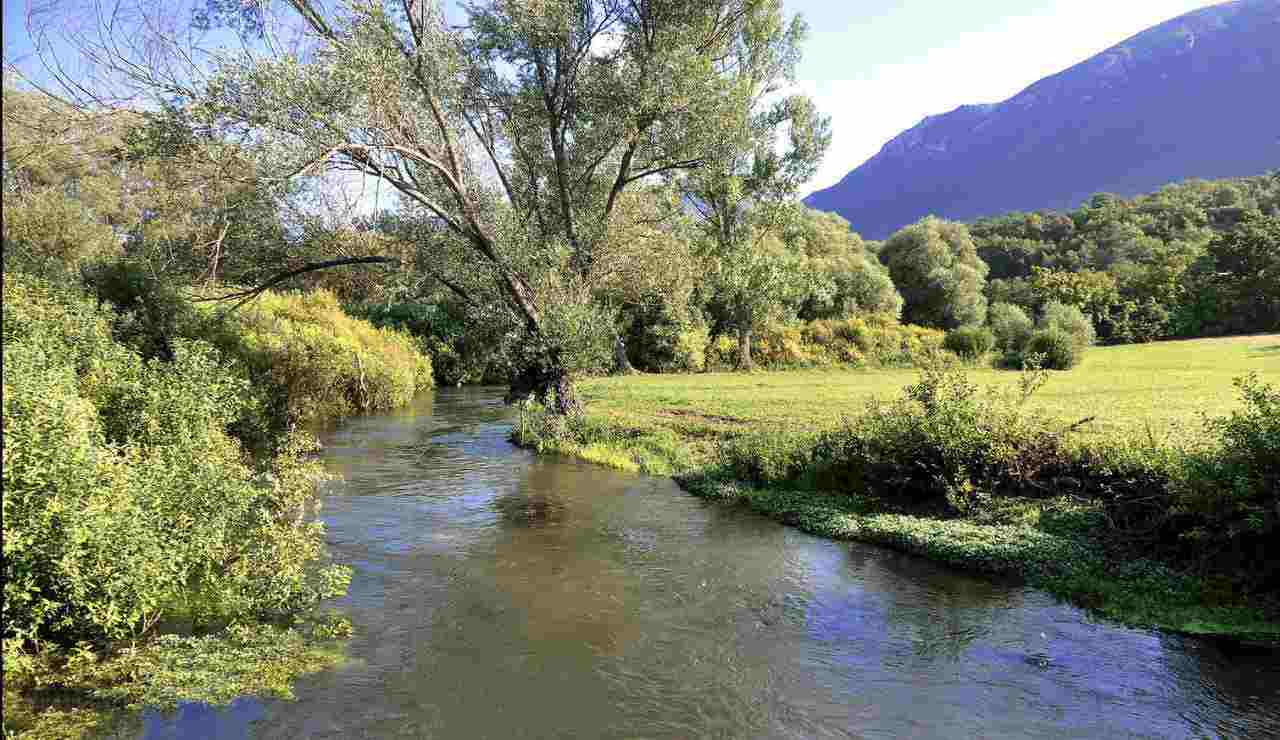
1058	349
462	350
316	362
1069	320
1226	512
149	313
1010	325
942	440
689	353
125	499
663	334
874	340
970	342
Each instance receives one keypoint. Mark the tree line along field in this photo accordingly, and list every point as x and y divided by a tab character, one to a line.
1161	387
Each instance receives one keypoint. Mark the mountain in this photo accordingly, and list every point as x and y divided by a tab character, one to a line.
1197	96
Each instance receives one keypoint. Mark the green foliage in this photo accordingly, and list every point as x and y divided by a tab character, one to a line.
1057	349
1144	268
312	361
875	340
970	342
851	280
576	336
1069	320
125	499
663	334
463	349
936	267
1242	276
149	312
1010	326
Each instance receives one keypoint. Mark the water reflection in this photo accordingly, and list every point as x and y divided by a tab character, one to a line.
500	595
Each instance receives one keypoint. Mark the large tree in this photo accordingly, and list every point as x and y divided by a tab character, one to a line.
510	138
936	266
744	196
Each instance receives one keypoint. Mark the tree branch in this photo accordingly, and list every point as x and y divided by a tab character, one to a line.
247	295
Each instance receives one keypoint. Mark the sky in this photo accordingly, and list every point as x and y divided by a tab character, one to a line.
878	67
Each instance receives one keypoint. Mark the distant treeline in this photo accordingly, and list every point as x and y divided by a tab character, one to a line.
1199	258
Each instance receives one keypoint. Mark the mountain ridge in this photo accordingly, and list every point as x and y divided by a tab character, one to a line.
1185	98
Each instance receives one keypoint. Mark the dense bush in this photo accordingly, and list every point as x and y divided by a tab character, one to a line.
875	340
316	362
461	350
942	440
1058	350
149	314
665	336
125	499
970	342
1010	325
1069	320
1226	511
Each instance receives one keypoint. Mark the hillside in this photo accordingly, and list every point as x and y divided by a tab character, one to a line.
1196	96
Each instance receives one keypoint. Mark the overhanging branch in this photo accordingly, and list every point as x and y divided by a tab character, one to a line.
247	295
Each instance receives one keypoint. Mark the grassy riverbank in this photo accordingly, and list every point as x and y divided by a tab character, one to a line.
767	440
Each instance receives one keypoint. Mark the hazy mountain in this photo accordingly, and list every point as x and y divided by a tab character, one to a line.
1197	96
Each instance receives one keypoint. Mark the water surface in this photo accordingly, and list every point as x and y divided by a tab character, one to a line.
501	595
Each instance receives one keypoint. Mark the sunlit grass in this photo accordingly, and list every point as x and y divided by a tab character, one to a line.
1162	389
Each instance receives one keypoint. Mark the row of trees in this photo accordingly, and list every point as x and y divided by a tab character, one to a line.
570	186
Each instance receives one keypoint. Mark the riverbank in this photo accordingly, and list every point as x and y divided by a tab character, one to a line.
751	439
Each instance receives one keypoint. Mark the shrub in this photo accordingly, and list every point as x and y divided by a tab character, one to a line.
1058	349
125	499
941	441
970	342
462	349
149	313
1069	320
1010	325
689	353
1227	511
876	339
316	362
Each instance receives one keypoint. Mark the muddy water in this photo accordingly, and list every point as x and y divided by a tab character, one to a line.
499	595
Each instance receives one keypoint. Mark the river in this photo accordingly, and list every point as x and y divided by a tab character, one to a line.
501	595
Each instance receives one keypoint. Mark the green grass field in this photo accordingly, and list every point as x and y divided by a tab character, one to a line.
1162	387
675	425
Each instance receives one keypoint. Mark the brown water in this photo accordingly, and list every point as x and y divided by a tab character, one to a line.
499	595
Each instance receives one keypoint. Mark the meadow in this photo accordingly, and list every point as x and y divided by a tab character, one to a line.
1163	389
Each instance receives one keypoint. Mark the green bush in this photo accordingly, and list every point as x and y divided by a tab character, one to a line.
314	361
125	499
149	313
689	351
462	350
942	440
875	340
970	342
1069	320
1058	349
1010	325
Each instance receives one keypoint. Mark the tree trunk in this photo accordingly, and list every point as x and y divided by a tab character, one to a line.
622	365
552	387
744	348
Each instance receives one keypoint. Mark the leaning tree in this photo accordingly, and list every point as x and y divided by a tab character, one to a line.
510	135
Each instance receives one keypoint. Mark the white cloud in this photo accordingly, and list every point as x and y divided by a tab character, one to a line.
983	67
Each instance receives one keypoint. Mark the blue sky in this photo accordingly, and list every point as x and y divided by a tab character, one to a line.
879	66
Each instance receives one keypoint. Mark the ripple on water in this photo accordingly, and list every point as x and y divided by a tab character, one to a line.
501	595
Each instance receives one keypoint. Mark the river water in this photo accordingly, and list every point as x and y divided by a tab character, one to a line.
501	595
